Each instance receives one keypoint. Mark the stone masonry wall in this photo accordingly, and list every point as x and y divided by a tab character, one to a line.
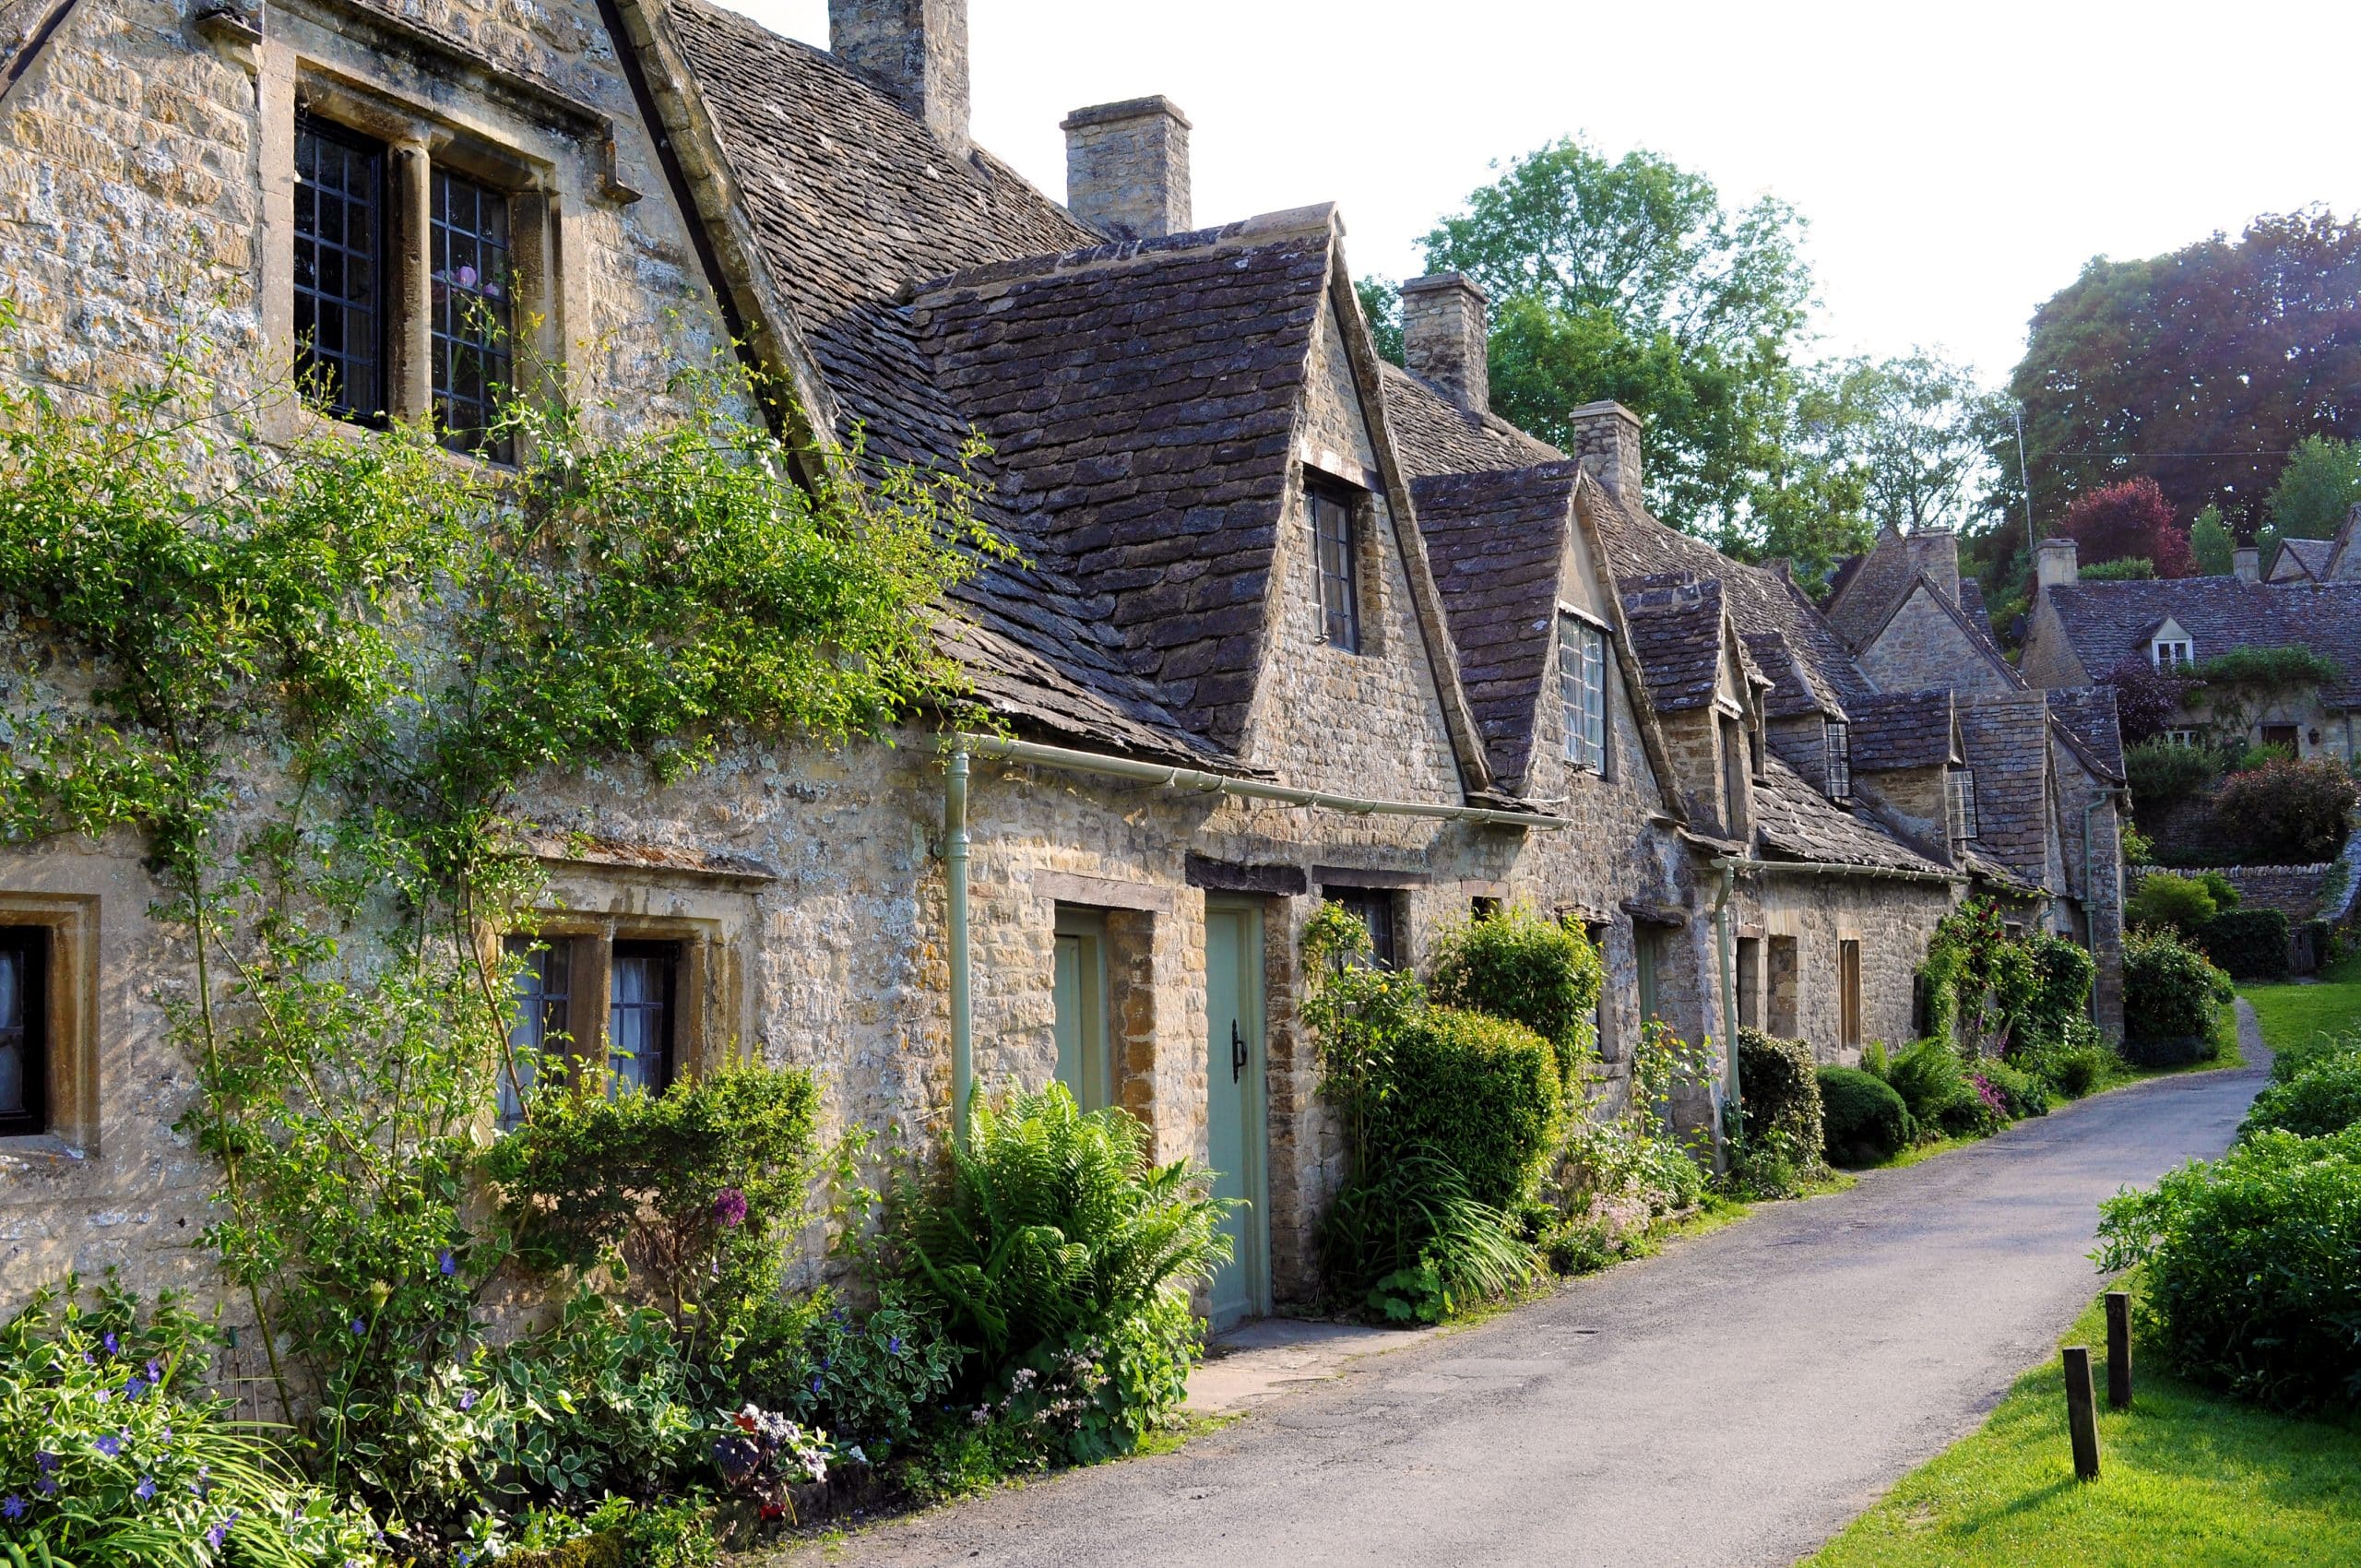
1922	647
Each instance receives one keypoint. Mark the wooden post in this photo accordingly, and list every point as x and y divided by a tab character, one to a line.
2118	1350
2081	1417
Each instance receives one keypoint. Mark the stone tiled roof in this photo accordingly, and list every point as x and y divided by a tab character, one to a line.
1139	399
1676	629
1895	730
1497	541
2087	716
2107	622
852	202
1433	434
2301	560
1869	593
2007	739
1794	692
1794	821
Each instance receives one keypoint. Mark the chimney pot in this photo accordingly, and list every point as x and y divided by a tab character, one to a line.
1444	337
2246	561
916	51
1606	437
1127	167
2054	562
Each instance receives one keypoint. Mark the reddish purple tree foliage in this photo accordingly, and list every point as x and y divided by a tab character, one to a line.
2126	521
2145	698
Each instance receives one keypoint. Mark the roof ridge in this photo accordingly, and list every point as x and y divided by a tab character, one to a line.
1260	229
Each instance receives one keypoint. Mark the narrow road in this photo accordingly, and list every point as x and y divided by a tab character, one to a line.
1733	1401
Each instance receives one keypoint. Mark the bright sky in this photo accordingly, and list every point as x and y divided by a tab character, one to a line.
1957	164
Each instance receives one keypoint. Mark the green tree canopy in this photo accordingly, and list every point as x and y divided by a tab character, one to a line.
2320	484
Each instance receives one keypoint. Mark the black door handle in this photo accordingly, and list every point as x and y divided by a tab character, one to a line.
1237	1053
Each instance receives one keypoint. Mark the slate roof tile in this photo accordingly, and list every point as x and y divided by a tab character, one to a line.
1794	821
2107	622
2087	715
1675	621
2007	737
1898	730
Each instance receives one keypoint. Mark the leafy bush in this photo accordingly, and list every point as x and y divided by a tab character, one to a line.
1051	1236
1516	965
2168	900
112	1452
865	1378
2147	703
2294	1058
2022	1093
1782	1135
691	1187
2077	1062
2171	996
2163	775
1933	1086
2248	944
1409	1242
1866	1123
2288	812
2128	569
2253	1267
2324	1098
1481	1093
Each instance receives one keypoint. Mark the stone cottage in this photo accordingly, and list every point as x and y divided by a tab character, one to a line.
1288	623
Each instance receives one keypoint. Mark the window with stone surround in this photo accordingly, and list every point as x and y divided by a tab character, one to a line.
24	1031
1375	909
1582	690
640	1034
471	283
1336	565
340	268
1837	736
1848	993
1965	825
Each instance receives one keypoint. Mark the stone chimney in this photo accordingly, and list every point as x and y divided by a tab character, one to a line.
1606	436
2053	562
1444	337
2246	561
1127	167
1937	556
916	51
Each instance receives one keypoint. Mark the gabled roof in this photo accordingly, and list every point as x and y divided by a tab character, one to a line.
2085	718
1434	434
1898	730
2108	622
1676	623
2301	560
1498	541
2007	737
1794	692
1872	589
1793	821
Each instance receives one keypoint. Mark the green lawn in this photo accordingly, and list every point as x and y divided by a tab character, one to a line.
2186	1477
2294	1014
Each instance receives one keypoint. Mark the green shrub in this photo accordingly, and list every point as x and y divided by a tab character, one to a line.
2288	812
865	1378
1517	965
2163	775
2167	899
1480	1092
2171	997
1410	1243
2226	896
1933	1085
2249	945
2296	1058
1866	1123
1783	1134
1051	1235
111	1451
2022	1093
2253	1267
2075	1064
2323	1100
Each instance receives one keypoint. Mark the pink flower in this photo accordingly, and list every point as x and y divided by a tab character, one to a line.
730	1207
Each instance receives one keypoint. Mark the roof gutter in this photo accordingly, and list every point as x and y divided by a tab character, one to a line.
957	845
1823	868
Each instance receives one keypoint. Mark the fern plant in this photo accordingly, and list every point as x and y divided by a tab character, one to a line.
1052	1224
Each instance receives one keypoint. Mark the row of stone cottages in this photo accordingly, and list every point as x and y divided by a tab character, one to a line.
1269	576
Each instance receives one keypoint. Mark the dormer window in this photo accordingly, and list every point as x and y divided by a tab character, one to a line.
1582	690
1837	737
2172	653
1965	825
1337	577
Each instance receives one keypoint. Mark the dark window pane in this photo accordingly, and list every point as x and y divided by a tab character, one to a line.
340	320
24	1028
1373	906
1337	583
469	250
639	1015
542	1024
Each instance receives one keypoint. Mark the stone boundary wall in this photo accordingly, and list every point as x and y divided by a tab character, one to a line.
2295	889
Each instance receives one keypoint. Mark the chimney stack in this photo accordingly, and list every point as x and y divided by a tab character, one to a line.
916	51
2246	561
1935	554
1127	167
1444	337
1606	436
2054	564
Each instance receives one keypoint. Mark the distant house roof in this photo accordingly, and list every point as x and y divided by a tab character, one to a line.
1436	436
2007	737
1497	541
2301	560
1898	730
2108	622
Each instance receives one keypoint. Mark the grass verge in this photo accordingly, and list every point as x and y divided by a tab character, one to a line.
2292	1014
2186	1477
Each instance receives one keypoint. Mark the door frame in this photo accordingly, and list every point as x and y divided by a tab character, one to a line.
1255	1136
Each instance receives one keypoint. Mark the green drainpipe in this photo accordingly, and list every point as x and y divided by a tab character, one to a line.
1730	1086
954	879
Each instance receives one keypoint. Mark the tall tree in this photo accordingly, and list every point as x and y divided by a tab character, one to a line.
2320	484
2131	521
1912	428
2204	369
1629	278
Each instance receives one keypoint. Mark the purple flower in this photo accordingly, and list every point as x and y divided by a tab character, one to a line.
894	1346
466	1400
109	1446
133	1389
449	1264
358	1328
103	1395
155	1373
201	1485
115	1346
216	1535
45	1462
13	1506
146	1489
816	1385
730	1206
46	1487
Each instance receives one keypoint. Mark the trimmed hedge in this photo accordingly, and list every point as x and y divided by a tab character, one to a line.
1779	1080
2171	996
2323	1100
1481	1092
1866	1121
2252	944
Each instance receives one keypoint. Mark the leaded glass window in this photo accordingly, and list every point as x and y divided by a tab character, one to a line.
1339	585
471	325
540	1027
340	268
1582	691
639	1013
1839	738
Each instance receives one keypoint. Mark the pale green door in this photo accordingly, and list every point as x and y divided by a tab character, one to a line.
1237	1144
